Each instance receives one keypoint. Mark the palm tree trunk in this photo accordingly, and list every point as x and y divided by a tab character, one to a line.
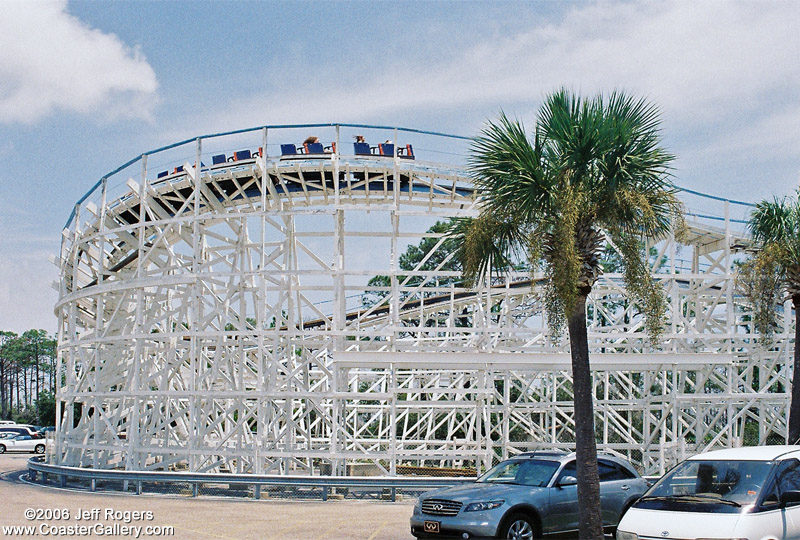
3	409
591	516
794	405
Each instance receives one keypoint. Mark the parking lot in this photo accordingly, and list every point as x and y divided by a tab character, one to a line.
60	514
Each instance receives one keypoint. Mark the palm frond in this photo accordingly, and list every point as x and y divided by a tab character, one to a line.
773	221
593	163
508	170
775	226
486	244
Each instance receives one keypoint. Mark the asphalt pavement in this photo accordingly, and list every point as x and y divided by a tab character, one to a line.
34	511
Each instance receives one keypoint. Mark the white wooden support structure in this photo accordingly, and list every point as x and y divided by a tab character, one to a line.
215	320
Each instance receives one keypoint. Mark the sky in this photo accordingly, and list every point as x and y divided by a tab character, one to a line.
85	86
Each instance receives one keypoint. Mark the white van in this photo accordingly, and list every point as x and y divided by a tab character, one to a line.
751	493
7	423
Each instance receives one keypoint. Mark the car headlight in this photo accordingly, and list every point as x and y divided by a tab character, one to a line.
481	506
622	535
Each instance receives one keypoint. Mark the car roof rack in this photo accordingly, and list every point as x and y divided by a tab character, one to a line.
545	453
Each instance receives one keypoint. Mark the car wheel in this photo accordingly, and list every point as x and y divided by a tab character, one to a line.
2	449
519	527
39	449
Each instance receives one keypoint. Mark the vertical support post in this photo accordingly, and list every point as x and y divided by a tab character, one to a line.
59	367
98	328
647	413
676	390
292	318
395	256
101	257
257	491
392	383
340	315
504	412
729	321
335	420
729	311
336	170
339	325
394	307
71	382
484	421
396	172
194	350
133	460
673	287
263	371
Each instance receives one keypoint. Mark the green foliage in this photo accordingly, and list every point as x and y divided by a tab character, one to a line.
46	408
250	324
595	169
775	226
644	291
425	256
25	416
759	280
27	366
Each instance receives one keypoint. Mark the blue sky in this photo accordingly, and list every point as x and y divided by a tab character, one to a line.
85	86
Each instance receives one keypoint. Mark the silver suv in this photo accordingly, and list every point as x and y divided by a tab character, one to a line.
528	496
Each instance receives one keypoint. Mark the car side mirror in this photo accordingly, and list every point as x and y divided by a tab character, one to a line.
790	497
567	481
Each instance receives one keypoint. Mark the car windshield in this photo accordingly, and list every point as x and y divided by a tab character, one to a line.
524	472
722	482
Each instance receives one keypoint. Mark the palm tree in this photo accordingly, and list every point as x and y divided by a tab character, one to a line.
775	226
594	172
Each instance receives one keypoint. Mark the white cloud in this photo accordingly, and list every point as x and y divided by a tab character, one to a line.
724	75
700	61
50	60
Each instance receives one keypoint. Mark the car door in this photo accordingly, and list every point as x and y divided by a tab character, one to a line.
23	443
614	490
789	480
563	514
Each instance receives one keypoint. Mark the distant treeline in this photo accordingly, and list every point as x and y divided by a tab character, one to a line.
28	377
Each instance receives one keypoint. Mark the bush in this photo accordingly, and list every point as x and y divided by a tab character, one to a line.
46	408
25	416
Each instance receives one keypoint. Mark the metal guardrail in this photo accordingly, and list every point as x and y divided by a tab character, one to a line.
196	480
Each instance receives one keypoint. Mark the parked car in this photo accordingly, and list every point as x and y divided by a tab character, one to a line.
7	423
525	497
19	430
22	443
735	493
